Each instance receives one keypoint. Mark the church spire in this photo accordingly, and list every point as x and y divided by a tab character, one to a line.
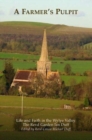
44	65
44	51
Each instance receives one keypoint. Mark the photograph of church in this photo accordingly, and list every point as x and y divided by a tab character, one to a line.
46	70
25	77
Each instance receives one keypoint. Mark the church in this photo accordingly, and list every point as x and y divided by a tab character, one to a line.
25	77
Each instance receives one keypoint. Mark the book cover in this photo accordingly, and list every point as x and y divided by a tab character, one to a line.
45	69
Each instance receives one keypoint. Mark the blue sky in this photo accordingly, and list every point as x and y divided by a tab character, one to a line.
82	19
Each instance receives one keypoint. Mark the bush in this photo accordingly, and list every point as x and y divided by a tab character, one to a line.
81	106
82	122
85	73
86	102
13	91
67	69
17	125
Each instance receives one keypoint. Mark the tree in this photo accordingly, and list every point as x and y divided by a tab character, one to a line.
86	102
82	122
8	74
13	91
41	87
67	68
2	85
18	124
71	91
1	44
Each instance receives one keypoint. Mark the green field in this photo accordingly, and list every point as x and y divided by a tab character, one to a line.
25	61
77	66
7	115
18	56
48	109
77	79
36	102
34	108
28	61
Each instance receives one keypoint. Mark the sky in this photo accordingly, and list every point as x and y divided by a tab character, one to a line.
83	18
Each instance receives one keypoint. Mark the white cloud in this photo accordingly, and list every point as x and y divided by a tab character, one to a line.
81	14
12	11
87	1
1	13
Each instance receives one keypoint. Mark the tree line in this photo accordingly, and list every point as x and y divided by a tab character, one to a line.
32	43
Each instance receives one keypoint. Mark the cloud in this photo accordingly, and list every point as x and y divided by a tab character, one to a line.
12	11
81	14
1	13
87	1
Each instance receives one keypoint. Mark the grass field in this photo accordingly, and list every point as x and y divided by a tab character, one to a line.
77	66
34	108
18	56
77	79
26	61
46	111
7	115
35	102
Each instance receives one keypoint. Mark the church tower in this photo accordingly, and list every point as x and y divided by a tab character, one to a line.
44	65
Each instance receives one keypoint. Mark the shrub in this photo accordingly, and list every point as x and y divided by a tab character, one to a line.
13	91
86	102
17	123
82	122
67	68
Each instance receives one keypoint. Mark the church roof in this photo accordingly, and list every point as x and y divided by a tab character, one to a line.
22	74
23	77
21	83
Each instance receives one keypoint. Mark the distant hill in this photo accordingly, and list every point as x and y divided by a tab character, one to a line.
15	27
27	36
